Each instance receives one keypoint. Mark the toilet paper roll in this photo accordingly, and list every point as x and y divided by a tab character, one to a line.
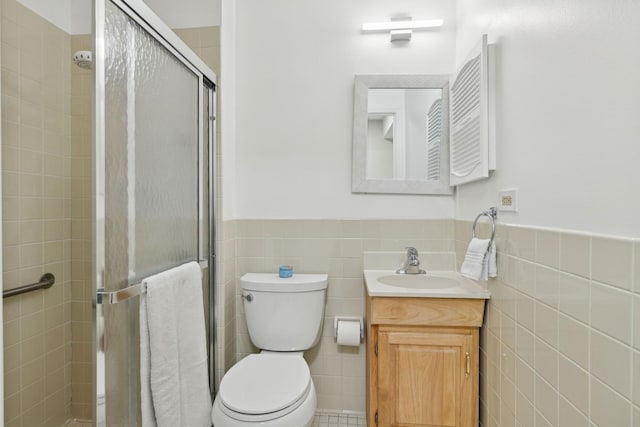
348	333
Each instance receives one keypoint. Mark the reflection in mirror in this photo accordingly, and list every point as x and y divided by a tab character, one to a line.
400	133
400	138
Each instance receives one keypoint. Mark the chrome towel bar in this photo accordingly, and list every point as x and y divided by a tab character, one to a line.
46	281
114	297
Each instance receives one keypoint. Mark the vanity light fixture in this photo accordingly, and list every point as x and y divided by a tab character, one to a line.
401	28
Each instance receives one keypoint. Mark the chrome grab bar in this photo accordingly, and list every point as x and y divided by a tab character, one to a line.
114	297
46	281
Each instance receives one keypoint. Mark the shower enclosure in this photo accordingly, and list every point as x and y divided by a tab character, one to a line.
153	208
107	177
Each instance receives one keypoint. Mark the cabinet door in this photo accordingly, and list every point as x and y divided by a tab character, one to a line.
425	379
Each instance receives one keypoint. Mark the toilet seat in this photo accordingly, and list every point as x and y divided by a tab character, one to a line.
265	386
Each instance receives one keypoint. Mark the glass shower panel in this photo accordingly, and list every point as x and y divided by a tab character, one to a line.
166	159
116	152
152	184
152	130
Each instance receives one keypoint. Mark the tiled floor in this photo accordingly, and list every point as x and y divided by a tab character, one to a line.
339	419
322	419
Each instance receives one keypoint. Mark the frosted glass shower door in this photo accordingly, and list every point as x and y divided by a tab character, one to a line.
153	172
151	137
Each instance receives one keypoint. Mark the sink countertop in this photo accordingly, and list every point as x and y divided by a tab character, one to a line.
454	285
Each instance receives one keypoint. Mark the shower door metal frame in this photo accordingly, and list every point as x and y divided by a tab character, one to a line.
150	22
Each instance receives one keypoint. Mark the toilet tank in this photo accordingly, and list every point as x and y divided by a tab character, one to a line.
284	314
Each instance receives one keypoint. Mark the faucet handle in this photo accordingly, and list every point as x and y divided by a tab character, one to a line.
411	251
412	264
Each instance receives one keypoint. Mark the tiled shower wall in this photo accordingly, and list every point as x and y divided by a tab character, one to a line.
46	105
36	167
205	42
82	330
561	341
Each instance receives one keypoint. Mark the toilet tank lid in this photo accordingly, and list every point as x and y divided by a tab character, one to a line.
271	282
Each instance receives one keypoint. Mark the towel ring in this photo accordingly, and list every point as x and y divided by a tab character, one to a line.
491	213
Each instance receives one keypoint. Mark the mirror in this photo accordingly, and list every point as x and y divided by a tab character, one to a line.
401	134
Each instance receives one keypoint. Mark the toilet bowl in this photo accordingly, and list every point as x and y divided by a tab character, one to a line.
274	388
267	390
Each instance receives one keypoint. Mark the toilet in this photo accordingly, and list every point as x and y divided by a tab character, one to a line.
274	388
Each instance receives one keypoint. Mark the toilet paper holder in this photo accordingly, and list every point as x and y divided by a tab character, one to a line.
347	319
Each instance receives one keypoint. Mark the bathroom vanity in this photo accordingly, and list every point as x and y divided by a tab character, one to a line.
422	349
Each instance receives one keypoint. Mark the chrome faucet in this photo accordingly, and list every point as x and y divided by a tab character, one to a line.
412	264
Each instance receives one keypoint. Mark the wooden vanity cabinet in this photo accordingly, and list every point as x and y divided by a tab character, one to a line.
422	361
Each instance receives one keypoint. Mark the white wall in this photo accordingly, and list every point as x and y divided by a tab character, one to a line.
227	105
81	16
56	12
296	62
379	152
568	100
72	16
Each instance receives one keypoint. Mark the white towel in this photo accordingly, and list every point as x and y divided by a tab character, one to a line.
490	265
173	357
480	260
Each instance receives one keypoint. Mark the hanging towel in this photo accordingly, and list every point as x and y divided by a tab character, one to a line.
490	265
480	260
173	357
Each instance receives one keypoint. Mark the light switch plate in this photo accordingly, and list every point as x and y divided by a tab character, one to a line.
508	200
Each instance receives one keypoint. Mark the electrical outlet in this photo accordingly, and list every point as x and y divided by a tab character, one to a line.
508	200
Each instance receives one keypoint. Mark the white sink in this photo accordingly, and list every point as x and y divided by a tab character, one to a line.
434	284
418	281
